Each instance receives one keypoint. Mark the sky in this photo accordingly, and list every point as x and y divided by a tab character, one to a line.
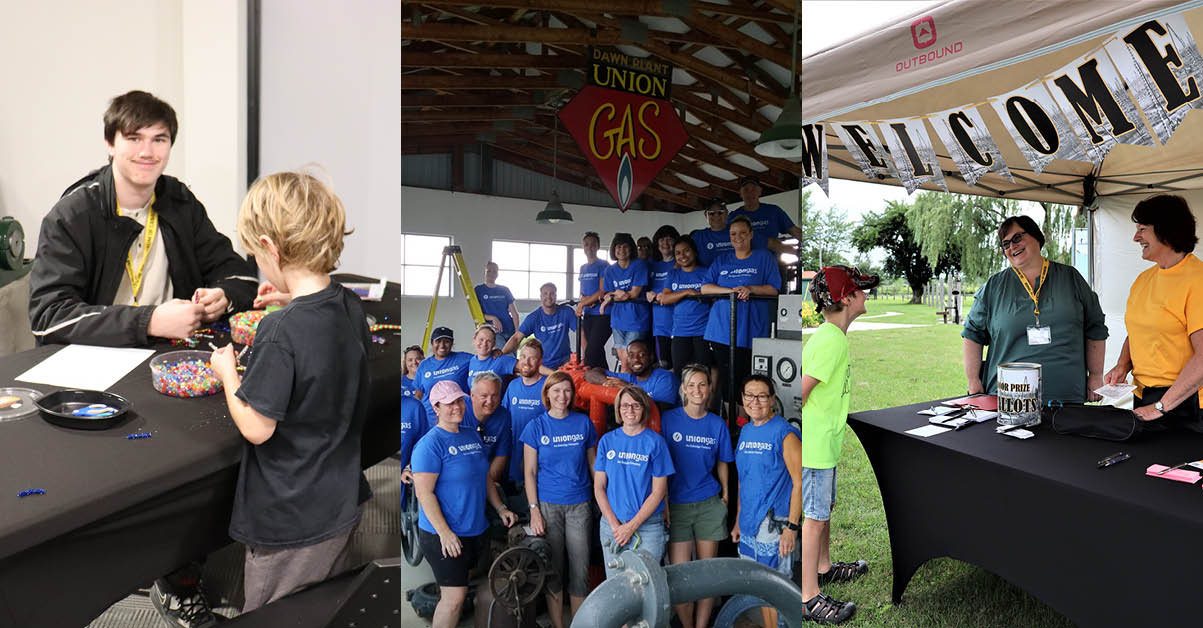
824	24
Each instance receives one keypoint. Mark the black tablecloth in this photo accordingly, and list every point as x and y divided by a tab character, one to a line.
1103	546
117	513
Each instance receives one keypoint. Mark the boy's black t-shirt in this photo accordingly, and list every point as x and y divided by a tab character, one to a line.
308	370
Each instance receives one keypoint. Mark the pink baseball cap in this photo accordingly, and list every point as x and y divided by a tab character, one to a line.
445	391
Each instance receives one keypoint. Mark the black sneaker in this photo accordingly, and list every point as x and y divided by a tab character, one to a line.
843	572
189	611
825	610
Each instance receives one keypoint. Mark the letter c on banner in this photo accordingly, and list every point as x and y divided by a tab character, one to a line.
1017	106
957	122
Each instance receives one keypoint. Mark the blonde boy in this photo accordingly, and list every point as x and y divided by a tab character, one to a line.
302	402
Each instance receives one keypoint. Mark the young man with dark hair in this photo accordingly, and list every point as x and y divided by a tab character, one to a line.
128	253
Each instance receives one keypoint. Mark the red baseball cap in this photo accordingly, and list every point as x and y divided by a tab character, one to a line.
833	283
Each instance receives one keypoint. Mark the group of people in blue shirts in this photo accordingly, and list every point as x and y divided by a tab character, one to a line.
628	486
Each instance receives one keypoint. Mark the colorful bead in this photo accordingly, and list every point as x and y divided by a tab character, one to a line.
138	435
31	491
186	378
243	326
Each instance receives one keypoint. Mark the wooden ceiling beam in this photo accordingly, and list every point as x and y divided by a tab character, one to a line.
410	100
434	81
410	129
725	138
623	7
508	33
716	28
490	60
471	114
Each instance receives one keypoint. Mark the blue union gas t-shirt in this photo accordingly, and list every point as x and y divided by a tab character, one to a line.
695	445
524	403
714	244
563	465
552	330
660	385
432	370
502	366
689	315
768	220
413	427
459	459
496	301
590	279
630	463
764	480
662	315
630	315
759	269
496	432
407	386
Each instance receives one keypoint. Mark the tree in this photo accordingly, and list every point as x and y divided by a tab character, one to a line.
890	231
825	235
967	226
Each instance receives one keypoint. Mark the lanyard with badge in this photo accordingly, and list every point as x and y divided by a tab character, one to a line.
1037	334
148	238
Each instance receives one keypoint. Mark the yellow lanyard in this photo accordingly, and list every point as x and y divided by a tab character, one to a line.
148	238
1035	296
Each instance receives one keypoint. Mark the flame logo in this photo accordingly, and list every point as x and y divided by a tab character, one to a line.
625	180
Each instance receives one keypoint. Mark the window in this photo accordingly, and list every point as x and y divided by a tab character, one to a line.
524	266
421	256
578	260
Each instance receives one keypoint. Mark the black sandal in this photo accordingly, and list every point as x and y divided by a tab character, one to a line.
825	610
843	572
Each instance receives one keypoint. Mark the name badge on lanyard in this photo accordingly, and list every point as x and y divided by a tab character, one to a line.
1037	334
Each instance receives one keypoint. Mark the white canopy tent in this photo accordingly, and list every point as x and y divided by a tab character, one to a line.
961	54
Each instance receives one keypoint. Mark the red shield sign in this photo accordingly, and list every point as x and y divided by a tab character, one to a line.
627	137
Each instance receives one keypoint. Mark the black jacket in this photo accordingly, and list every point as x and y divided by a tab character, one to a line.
81	256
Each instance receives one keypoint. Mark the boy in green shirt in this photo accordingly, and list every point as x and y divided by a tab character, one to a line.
838	292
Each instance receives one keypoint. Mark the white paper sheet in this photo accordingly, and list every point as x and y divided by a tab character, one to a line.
1115	391
928	430
86	367
938	410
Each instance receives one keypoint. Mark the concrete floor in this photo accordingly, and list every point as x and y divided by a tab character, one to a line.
378	536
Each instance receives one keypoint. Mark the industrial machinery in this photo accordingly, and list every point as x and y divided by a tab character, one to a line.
517	581
409	527
780	357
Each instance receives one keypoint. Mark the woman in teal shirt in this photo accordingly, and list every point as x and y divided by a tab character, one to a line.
1037	311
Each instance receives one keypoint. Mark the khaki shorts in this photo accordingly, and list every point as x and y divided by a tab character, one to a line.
698	521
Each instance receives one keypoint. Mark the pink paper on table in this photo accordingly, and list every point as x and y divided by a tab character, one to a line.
1180	475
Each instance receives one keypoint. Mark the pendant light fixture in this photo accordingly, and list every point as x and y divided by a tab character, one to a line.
784	138
554	212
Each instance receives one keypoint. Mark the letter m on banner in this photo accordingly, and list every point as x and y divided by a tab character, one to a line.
629	134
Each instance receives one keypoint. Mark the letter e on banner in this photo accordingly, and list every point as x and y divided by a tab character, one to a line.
860	140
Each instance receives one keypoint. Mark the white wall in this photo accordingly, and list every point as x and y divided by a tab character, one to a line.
331	96
1117	260
65	60
474	221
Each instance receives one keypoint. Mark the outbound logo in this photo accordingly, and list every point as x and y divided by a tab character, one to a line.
923	35
923	32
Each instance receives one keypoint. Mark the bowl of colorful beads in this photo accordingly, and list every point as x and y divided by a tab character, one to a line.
184	374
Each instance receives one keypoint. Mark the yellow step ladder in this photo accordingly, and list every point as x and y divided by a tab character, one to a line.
456	255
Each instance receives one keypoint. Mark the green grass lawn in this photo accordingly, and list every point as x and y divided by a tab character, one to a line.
892	368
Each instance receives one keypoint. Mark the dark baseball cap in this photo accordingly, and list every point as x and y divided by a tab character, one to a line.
749	178
442	332
833	283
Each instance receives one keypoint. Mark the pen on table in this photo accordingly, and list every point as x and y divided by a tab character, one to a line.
1113	459
1177	466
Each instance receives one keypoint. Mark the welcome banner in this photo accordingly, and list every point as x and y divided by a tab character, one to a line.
1134	88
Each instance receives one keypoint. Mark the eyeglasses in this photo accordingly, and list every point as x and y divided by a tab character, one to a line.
630	407
1008	242
762	398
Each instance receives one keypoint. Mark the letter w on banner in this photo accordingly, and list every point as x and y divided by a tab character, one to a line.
814	157
1162	66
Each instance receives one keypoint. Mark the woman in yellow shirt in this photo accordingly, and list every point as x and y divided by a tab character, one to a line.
1164	317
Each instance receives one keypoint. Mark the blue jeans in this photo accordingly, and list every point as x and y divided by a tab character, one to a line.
652	538
624	338
818	493
502	338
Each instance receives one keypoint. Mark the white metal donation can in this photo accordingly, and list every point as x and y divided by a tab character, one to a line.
1020	388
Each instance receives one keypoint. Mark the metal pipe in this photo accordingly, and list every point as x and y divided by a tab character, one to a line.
620	599
731	363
